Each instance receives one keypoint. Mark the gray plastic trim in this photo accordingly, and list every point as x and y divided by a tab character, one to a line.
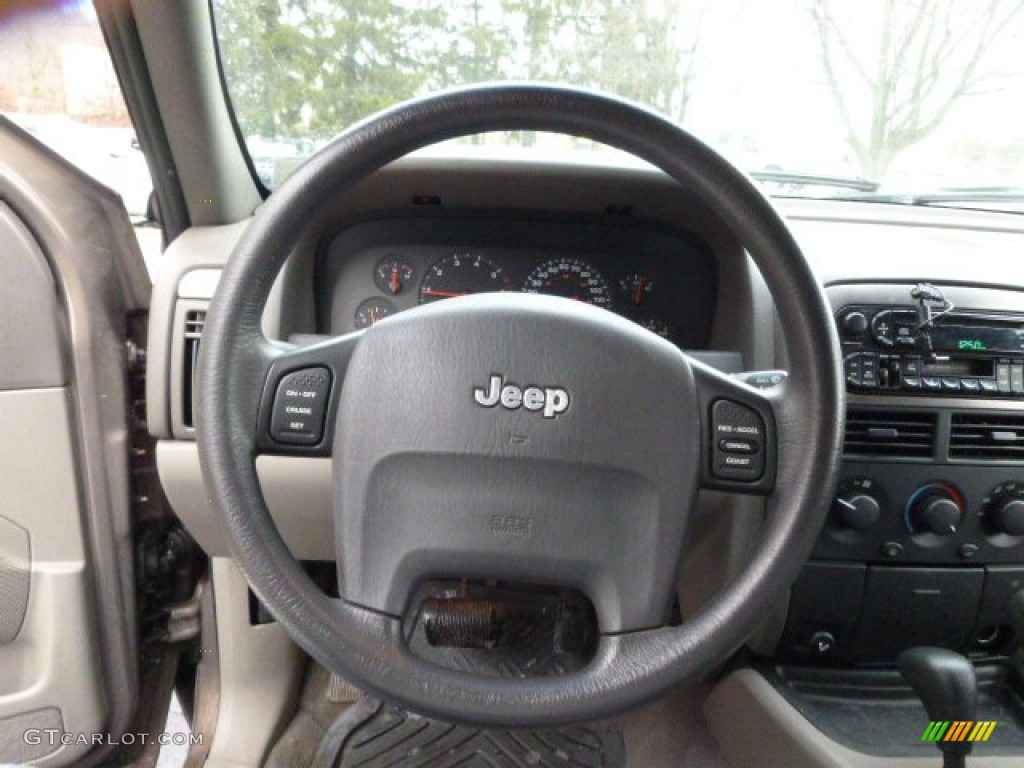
757	728
30	345
212	171
15	577
260	675
13	743
298	492
198	284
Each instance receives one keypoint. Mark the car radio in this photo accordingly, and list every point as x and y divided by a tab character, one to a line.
888	348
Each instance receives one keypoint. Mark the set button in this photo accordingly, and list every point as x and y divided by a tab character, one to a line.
299	407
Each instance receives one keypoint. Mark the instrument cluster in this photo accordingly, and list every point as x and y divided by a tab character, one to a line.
663	282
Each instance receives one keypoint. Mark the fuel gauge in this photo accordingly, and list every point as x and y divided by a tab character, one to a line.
391	274
372	311
637	286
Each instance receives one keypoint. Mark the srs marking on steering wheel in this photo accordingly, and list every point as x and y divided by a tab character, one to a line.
550	401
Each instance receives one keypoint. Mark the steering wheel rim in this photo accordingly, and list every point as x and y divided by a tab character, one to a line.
366	647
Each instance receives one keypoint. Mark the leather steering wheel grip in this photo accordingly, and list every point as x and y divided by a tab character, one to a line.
367	647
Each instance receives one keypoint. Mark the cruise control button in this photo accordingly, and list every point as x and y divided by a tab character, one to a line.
299	407
738	446
733	423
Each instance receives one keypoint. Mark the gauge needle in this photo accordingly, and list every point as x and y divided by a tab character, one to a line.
442	294
847	504
396	281
638	294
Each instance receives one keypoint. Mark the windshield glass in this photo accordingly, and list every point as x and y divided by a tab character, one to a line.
902	100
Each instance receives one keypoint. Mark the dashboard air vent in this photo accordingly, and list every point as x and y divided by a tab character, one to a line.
194	321
987	436
904	434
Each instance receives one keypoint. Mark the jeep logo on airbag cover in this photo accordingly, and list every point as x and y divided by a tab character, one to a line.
550	401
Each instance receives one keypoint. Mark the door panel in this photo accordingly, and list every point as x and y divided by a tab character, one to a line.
70	275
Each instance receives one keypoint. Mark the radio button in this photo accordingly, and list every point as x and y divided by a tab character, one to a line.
911	366
869	370
911	382
905	335
881	328
851	365
988	386
1017	379
950	385
970	385
1003	377
930	384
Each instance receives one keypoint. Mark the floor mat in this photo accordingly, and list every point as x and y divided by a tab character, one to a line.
374	734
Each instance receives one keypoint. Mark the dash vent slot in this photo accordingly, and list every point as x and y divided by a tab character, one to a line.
899	434
997	436
194	321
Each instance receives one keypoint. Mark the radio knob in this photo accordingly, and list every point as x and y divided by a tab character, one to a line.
935	509
855	324
857	510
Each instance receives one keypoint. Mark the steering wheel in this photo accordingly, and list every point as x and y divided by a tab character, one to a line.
516	437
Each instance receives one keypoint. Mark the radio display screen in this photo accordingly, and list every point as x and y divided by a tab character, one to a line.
965	338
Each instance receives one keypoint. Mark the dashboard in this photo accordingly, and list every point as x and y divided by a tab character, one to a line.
663	279
924	543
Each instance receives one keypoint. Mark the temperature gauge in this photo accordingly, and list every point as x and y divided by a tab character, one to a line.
392	274
637	286
372	311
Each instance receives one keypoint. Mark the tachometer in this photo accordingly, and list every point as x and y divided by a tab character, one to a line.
571	278
460	275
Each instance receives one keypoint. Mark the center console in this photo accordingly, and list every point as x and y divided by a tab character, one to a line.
924	544
925	541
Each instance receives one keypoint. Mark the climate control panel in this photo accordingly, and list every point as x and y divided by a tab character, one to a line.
889	513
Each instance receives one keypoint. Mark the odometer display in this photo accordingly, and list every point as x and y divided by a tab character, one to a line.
462	274
571	279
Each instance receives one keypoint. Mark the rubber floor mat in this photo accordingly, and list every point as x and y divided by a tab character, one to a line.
375	735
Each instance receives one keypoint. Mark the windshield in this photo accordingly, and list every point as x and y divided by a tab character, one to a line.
900	100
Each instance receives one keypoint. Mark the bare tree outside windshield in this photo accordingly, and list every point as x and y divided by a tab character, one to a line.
897	94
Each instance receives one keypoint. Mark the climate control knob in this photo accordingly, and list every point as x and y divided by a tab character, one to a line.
1003	509
857	510
936	508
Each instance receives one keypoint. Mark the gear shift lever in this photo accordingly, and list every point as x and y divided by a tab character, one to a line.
948	688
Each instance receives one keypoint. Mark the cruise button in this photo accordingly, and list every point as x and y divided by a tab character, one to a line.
738	446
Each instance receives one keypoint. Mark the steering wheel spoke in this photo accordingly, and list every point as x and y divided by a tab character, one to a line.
739	432
300	397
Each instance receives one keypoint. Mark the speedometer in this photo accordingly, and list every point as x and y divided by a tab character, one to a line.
571	278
